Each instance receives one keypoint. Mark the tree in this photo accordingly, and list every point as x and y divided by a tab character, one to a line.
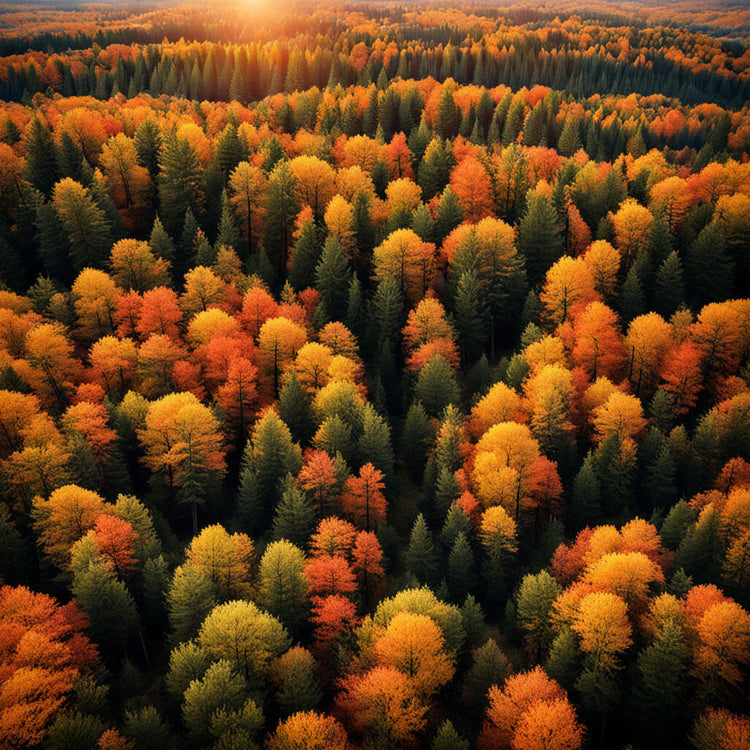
282	206
109	606
549	724
329	575
414	644
420	555
535	599
632	223
248	186
181	440
472	186
44	651
510	705
363	500
84	223
603	627
226	559
180	183
539	238
282	583
309	730
294	518
246	637
64	518
409	260
569	285
279	340
136	267
332	278
436	386
295	681
269	456
191	596
383	704
95	298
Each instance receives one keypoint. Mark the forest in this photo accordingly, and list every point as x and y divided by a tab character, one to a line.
375	375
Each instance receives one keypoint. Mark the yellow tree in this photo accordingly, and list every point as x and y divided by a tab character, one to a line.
182	441
226	559
408	259
134	266
569	284
279	341
414	644
632	223
248	187
502	465
64	518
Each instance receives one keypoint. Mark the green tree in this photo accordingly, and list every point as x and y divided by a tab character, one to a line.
191	596
245	636
84	222
282	207
332	278
421	558
436	386
179	181
283	585
533	606
294	518
539	238
109	606
461	575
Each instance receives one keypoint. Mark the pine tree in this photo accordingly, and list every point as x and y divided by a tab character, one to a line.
570	140
670	286
109	606
448	116
41	169
456	522
179	181
294	518
449	214
228	234
471	317
539	238
436	386
421	558
661	687
447	738
585	509
332	278
148	142
709	271
295	409
461	575
416	439
306	255
374	444
632	301
282	209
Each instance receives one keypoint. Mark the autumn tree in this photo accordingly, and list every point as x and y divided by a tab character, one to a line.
182	442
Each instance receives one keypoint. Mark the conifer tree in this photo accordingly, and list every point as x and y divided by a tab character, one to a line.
294	517
539	238
421	558
332	278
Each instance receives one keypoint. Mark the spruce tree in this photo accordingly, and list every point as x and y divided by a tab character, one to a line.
461	575
416	439
436	386
539	238
332	278
421	558
294	517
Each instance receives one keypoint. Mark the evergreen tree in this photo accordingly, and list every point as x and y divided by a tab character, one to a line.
416	439
282	209
332	278
305	257
670	287
421	558
461	575
436	386
179	181
471	317
709	272
585	507
294	518
539	238
41	170
295	409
